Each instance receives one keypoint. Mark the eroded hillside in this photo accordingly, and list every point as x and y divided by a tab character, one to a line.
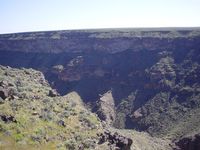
33	116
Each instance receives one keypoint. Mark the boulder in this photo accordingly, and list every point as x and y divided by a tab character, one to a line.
3	83
188	143
1	101
3	93
61	123
53	93
116	140
8	119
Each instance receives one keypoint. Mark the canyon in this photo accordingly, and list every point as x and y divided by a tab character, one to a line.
140	79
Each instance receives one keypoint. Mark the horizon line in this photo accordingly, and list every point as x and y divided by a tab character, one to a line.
109	28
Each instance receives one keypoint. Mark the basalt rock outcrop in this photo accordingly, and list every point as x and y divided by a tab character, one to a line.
154	74
7	90
189	143
106	108
115	140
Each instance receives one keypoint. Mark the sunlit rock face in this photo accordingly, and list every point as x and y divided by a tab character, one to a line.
106	108
153	74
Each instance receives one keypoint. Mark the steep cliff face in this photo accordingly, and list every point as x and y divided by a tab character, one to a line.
109	41
154	75
106	108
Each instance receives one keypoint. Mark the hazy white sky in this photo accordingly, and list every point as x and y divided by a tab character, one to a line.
39	15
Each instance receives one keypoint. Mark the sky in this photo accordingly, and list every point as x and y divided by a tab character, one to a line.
45	15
